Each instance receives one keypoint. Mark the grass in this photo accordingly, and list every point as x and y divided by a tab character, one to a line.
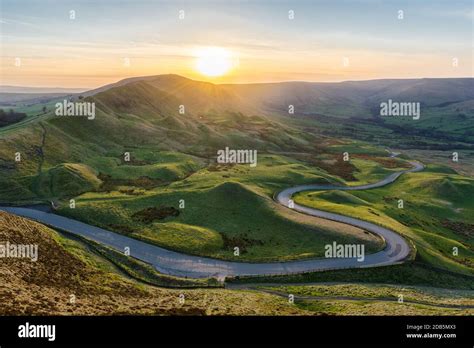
374	291
164	145
368	170
221	215
165	166
67	267
412	273
433	200
353	297
378	308
65	180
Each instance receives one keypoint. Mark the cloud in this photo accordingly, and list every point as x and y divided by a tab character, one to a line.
17	22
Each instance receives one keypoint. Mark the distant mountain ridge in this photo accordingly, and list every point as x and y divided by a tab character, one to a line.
12	95
41	90
342	99
339	99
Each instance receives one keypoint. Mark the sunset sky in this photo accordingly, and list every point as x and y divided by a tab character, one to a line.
326	40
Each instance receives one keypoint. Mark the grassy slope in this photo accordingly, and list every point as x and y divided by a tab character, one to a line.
412	273
221	215
375	299
66	267
430	198
425	294
141	120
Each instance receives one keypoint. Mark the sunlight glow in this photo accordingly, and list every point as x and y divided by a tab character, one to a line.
214	61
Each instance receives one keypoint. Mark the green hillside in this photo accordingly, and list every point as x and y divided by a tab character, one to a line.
136	118
436	216
224	208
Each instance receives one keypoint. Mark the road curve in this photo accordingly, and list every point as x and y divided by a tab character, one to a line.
180	264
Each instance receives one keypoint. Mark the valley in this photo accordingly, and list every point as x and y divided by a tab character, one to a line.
151	176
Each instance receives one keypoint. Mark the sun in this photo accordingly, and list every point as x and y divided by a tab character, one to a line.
214	61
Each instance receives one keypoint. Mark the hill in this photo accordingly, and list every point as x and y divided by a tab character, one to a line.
140	119
219	215
341	99
436	215
69	279
446	112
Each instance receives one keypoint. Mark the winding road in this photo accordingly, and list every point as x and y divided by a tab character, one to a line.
180	264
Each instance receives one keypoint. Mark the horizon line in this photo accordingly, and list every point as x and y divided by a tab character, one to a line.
85	89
